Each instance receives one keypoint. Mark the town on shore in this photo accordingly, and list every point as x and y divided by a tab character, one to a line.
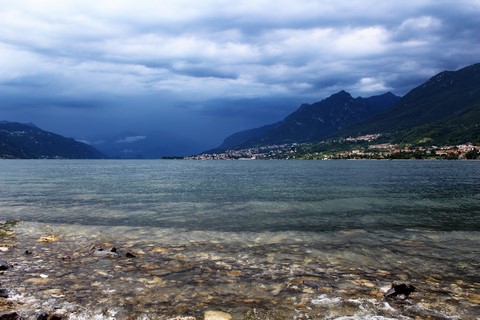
361	147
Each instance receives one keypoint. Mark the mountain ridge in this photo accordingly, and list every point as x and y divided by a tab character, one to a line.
445	109
311	122
447	101
27	141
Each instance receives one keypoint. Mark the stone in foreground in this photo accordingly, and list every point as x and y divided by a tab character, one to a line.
217	315
400	291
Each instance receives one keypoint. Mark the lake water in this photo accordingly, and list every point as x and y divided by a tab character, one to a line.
256	239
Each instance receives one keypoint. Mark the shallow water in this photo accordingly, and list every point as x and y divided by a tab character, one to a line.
257	239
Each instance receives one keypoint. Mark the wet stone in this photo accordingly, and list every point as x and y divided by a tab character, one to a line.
364	283
160	250
277	289
9	316
41	316
474	298
105	254
38	280
315	284
400	291
4	266
217	315
234	273
49	238
3	293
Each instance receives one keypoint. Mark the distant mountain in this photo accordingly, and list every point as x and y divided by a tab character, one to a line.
27	141
312	122
443	110
146	145
244	137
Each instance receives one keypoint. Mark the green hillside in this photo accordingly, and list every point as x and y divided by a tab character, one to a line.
443	110
26	141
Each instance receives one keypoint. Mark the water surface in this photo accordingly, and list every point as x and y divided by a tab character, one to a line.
258	239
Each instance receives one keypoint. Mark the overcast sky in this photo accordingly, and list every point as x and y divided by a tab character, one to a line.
204	69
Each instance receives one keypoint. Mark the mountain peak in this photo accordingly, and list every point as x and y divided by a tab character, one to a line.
312	122
388	94
341	94
445	109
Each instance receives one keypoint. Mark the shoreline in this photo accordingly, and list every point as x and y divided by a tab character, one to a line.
284	275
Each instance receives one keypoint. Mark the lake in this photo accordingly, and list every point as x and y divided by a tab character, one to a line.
255	239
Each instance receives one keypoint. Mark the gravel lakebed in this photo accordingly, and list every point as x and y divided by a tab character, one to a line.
95	272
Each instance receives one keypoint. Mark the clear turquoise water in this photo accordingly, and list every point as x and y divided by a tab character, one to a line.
221	234
245	195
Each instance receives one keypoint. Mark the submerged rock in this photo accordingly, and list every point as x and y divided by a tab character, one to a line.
9	316
41	316
49	238
45	316
4	266
3	293
400	291
315	284
105	254
217	315
474	298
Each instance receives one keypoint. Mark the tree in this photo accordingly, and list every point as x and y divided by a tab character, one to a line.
472	154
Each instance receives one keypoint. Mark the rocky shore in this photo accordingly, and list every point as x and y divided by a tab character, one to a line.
72	272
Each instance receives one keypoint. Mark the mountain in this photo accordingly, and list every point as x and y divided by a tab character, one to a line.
444	110
243	137
27	141
312	122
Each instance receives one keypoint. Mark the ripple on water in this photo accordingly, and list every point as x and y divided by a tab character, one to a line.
283	275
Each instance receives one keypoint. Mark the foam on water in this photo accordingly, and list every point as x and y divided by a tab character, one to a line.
325	300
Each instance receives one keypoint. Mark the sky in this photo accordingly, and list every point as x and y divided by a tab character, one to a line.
189	72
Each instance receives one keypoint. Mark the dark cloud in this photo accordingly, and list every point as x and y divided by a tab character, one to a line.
209	68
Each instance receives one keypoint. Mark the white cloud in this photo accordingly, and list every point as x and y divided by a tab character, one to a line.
421	23
15	63
131	139
362	41
217	48
370	84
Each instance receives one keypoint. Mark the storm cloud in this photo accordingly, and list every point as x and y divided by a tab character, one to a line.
209	68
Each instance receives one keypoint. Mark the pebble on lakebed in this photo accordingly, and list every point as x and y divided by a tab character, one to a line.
217	315
49	238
